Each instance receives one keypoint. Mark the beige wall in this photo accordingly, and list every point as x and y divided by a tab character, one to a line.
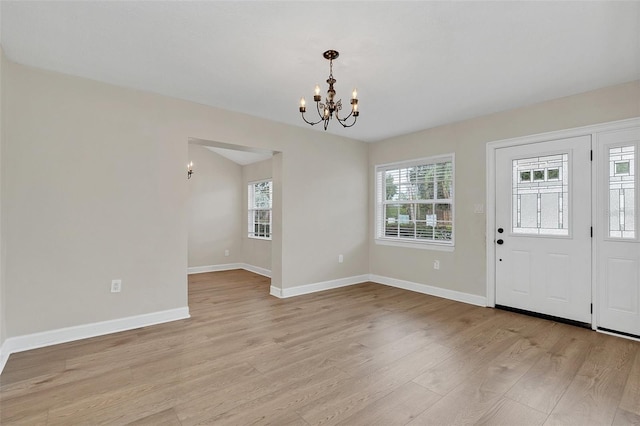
95	189
328	199
214	208
276	220
255	252
2	239
464	269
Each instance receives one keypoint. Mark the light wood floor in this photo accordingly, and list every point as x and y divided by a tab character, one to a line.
359	355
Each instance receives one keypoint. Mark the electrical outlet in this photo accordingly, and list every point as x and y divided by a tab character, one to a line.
436	264
116	286
340	258
226	252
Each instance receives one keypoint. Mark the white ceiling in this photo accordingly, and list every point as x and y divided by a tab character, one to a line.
416	64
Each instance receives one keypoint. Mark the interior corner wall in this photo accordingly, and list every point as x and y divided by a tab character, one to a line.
255	252
2	237
215	215
95	189
276	222
464	269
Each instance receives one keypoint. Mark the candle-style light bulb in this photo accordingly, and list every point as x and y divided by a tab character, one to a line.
189	169
302	102
317	90
355	94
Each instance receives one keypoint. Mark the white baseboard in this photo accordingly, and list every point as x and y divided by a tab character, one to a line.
69	334
214	268
256	270
4	356
393	282
315	287
275	291
458	296
229	267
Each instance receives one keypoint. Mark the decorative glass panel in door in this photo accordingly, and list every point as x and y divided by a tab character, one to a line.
622	216
541	195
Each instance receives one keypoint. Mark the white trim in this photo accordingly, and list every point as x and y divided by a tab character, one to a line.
229	267
458	296
490	221
596	193
256	270
565	134
414	162
253	237
4	356
316	287
421	245
611	333
214	268
491	148
275	291
85	331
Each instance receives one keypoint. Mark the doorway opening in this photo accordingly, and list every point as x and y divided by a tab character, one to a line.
219	232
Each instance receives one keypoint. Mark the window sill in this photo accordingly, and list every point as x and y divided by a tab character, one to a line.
259	238
414	245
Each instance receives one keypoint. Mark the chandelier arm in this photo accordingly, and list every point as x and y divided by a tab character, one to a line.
309	122
342	121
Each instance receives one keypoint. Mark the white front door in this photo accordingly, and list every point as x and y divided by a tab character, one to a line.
618	252
543	228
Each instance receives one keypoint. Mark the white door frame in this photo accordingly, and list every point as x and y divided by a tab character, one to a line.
491	148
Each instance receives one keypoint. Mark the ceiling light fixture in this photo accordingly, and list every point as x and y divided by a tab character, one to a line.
330	108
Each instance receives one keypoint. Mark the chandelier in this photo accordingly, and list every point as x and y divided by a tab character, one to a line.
331	108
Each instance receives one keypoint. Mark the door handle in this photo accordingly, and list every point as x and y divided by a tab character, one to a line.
500	230
500	241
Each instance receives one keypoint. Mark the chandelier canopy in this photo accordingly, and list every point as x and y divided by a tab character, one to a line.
331	108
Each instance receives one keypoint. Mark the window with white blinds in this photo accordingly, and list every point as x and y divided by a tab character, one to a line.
259	202
414	202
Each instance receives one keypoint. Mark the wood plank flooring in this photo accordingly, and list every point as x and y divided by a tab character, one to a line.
360	355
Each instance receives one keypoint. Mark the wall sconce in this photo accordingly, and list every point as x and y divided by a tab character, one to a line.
189	170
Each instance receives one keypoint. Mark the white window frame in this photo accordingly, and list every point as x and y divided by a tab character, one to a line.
252	209
381	202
